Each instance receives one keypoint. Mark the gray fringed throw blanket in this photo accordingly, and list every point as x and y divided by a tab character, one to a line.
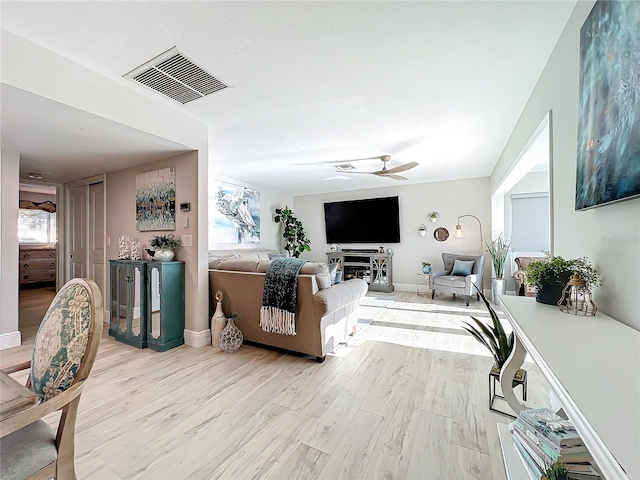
278	311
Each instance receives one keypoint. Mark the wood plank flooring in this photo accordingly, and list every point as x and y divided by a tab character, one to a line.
406	398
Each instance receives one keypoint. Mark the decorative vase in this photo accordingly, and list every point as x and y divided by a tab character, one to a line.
426	269
498	287
231	337
135	250
549	294
164	255
123	247
218	321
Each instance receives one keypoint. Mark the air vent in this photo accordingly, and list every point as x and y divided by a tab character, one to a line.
345	167
176	76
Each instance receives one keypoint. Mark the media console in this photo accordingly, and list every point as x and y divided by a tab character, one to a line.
592	365
375	268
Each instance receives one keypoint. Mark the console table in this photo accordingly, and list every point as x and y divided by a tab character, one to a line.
592	365
374	267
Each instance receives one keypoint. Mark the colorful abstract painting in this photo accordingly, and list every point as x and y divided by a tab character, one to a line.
235	214
156	200
608	167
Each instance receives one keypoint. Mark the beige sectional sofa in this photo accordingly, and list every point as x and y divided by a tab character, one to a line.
325	313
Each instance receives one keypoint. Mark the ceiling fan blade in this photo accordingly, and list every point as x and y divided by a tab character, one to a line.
397	177
402	168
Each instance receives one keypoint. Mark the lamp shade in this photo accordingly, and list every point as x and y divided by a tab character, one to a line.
459	233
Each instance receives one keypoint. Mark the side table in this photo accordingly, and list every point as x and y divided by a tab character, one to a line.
422	279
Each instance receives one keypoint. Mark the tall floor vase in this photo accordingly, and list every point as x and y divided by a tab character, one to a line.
218	321
498	287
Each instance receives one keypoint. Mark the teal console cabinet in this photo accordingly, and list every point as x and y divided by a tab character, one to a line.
147	303
165	297
128	312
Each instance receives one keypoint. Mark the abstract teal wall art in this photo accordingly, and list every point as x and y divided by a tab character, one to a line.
156	200
608	164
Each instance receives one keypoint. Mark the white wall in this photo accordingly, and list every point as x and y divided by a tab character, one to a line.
450	199
270	232
67	82
608	235
532	182
9	178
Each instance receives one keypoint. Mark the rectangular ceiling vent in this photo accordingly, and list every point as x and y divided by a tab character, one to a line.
345	167
178	77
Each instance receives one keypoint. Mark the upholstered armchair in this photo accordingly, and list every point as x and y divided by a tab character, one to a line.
64	350
520	276
445	282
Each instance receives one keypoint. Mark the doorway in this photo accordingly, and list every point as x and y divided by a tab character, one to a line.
521	204
38	242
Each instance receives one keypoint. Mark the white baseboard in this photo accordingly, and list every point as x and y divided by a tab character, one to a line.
10	340
407	287
197	339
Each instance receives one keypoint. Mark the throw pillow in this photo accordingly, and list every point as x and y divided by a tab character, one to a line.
277	255
338	276
333	268
462	268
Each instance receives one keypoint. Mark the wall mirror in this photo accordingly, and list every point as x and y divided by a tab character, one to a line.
441	234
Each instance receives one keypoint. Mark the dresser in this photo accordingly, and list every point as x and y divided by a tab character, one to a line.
37	264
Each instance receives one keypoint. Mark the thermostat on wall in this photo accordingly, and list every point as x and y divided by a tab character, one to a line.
185	206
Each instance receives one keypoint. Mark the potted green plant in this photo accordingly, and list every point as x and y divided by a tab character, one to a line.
426	267
293	232
557	471
498	249
494	337
163	246
549	276
491	335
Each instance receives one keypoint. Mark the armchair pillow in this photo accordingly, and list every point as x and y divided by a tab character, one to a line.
462	268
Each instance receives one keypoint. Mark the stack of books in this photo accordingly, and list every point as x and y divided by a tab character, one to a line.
540	445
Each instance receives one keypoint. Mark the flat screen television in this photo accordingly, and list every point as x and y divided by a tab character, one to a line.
374	220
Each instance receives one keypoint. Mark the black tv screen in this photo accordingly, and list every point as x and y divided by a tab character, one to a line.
374	220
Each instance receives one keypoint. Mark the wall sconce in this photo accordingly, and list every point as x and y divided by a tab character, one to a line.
422	230
459	235
433	216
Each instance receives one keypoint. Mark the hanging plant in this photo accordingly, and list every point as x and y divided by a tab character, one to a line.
293	233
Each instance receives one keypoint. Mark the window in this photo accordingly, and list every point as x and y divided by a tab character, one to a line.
36	226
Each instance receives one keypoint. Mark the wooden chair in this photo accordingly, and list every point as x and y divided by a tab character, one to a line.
64	350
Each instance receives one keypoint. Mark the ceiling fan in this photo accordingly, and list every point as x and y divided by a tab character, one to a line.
385	172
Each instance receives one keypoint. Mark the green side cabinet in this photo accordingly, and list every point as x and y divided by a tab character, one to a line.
147	303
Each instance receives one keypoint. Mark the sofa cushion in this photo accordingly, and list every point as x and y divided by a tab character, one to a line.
239	265
450	281
277	255
321	272
462	267
215	260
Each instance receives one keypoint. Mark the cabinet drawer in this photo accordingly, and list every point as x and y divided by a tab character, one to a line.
37	276
40	253
29	264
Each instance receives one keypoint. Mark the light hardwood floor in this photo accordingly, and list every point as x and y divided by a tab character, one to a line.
406	398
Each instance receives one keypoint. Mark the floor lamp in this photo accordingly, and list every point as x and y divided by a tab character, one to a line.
459	233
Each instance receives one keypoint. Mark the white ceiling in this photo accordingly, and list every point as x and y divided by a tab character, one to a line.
439	83
65	144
